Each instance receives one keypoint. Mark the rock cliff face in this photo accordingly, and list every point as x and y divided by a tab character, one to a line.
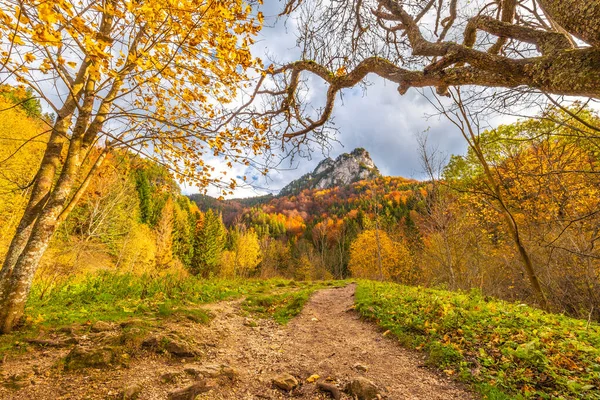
346	169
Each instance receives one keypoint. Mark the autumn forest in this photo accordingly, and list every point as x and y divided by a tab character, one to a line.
119	118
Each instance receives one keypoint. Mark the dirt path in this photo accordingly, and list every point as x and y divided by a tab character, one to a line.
327	339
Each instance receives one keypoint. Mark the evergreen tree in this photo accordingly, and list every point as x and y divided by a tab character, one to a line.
208	244
184	227
143	187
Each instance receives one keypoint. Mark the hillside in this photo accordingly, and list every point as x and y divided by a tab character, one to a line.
308	234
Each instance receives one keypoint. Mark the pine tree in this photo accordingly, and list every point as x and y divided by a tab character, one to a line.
208	244
143	187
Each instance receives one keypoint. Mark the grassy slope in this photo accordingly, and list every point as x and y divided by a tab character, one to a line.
507	350
118	297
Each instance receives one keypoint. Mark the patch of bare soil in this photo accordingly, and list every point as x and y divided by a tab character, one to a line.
237	357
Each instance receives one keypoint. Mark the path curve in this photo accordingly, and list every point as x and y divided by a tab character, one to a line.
328	339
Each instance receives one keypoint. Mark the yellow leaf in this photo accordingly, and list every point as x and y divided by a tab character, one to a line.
449	372
47	13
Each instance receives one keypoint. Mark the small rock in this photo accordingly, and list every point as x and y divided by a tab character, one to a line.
190	392
360	367
331	389
206	371
130	322
211	371
362	388
101	326
312	378
180	349
169	377
285	382
84	357
131	392
170	345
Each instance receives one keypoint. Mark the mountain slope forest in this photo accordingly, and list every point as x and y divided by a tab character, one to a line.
478	280
451	232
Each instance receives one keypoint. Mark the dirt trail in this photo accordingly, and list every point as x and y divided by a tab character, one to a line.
327	339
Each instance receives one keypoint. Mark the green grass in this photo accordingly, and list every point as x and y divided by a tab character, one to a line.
282	307
506	350
115	297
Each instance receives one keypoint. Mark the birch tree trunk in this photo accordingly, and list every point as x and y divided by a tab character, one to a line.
18	283
32	240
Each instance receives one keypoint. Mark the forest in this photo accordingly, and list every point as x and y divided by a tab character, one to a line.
446	232
122	278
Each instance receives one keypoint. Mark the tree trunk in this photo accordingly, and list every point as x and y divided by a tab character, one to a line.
41	187
18	282
473	141
578	17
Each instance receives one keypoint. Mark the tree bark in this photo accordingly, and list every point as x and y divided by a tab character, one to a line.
12	304
41	187
43	181
16	281
578	17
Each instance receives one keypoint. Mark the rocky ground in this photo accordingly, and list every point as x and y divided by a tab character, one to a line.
326	352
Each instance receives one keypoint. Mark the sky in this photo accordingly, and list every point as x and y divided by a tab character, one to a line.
379	119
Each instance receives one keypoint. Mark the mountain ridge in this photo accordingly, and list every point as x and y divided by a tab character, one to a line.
347	168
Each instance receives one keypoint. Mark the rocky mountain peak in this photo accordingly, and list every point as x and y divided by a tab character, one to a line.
344	170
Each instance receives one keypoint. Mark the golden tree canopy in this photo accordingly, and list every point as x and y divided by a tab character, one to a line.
160	77
374	247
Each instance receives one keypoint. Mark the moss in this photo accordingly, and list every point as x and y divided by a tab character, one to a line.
103	357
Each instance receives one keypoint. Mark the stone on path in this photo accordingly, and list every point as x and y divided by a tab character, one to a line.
285	382
101	326
131	392
190	392
84	357
363	389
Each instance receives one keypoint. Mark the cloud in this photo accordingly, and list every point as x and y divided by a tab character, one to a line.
387	125
380	120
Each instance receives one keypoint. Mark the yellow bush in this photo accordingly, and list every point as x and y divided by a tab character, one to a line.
374	255
138	253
